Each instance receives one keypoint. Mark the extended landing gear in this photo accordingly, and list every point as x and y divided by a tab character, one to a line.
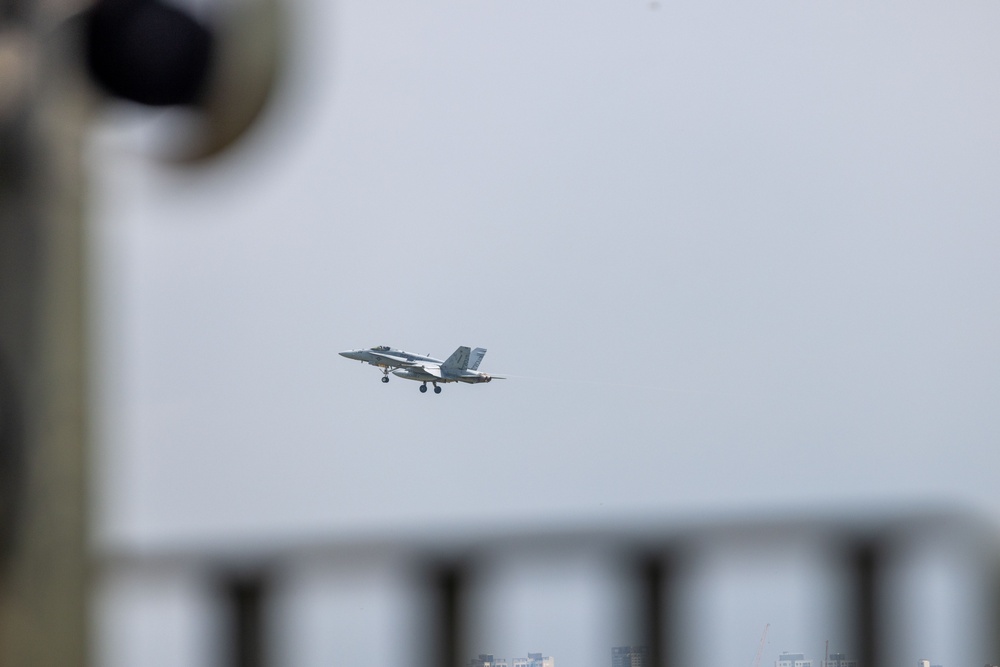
437	389
385	378
423	389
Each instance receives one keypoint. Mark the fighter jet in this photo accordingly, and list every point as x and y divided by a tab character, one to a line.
461	366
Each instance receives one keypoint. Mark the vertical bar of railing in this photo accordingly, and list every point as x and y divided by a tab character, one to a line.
866	568
656	574
245	597
991	642
446	643
652	575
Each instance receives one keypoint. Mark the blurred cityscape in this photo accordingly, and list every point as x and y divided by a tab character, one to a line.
533	660
637	656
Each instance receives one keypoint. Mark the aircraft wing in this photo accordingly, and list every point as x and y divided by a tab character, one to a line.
432	370
393	360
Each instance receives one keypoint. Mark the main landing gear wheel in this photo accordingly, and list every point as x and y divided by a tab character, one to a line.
437	389
423	389
385	378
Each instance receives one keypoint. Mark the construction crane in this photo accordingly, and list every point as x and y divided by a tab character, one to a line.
760	649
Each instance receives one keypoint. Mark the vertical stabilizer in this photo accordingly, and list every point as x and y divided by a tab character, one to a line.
457	362
476	356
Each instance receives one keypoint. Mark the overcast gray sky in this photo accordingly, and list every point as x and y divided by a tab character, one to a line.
735	257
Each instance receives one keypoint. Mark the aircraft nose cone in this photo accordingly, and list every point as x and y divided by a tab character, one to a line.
350	354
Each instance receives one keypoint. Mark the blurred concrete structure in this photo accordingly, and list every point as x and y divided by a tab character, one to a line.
44	573
443	571
47	99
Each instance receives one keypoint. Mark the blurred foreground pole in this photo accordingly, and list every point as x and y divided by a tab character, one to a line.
653	577
43	444
446	646
867	566
144	51
245	596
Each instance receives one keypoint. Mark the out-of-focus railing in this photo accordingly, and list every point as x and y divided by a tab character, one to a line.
654	561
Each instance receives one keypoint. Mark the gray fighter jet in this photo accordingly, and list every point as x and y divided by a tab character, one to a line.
461	366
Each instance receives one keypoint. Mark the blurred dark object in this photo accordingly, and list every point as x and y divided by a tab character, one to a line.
148	52
246	596
446	644
156	54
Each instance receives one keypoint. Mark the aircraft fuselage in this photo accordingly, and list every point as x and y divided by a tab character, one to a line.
387	356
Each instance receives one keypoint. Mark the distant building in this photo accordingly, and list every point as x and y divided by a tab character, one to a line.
841	660
483	660
629	656
533	660
538	660
792	660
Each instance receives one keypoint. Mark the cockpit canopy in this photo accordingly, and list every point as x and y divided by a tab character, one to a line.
381	348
